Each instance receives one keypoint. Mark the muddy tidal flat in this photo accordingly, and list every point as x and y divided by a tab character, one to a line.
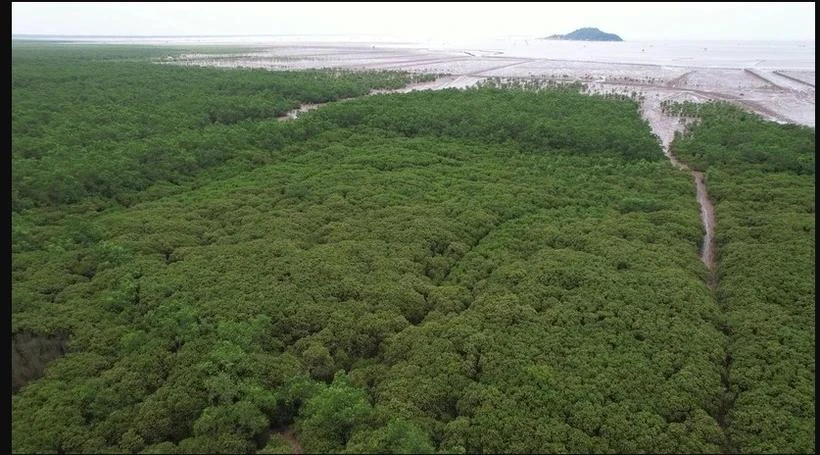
776	80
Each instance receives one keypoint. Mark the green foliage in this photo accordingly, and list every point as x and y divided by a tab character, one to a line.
730	138
459	272
92	122
327	420
548	121
399	436
766	243
276	445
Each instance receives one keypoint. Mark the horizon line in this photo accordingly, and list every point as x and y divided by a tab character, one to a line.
255	35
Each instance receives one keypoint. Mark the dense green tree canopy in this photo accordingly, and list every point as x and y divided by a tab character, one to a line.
761	176
470	271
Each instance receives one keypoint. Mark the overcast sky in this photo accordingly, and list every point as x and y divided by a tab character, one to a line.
695	21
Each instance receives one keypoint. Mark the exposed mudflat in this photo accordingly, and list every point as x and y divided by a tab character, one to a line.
778	87
807	77
438	84
665	126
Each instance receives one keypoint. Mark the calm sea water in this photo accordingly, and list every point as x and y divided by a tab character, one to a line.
785	55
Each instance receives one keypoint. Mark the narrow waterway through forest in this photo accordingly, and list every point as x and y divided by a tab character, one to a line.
665	127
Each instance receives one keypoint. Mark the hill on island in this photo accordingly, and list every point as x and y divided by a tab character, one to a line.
587	34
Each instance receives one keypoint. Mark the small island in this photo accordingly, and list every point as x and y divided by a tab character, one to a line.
587	34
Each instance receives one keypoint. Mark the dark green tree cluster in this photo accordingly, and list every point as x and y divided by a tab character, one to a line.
549	121
90	122
761	178
457	272
735	139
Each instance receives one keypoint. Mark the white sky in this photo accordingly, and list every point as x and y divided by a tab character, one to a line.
695	21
